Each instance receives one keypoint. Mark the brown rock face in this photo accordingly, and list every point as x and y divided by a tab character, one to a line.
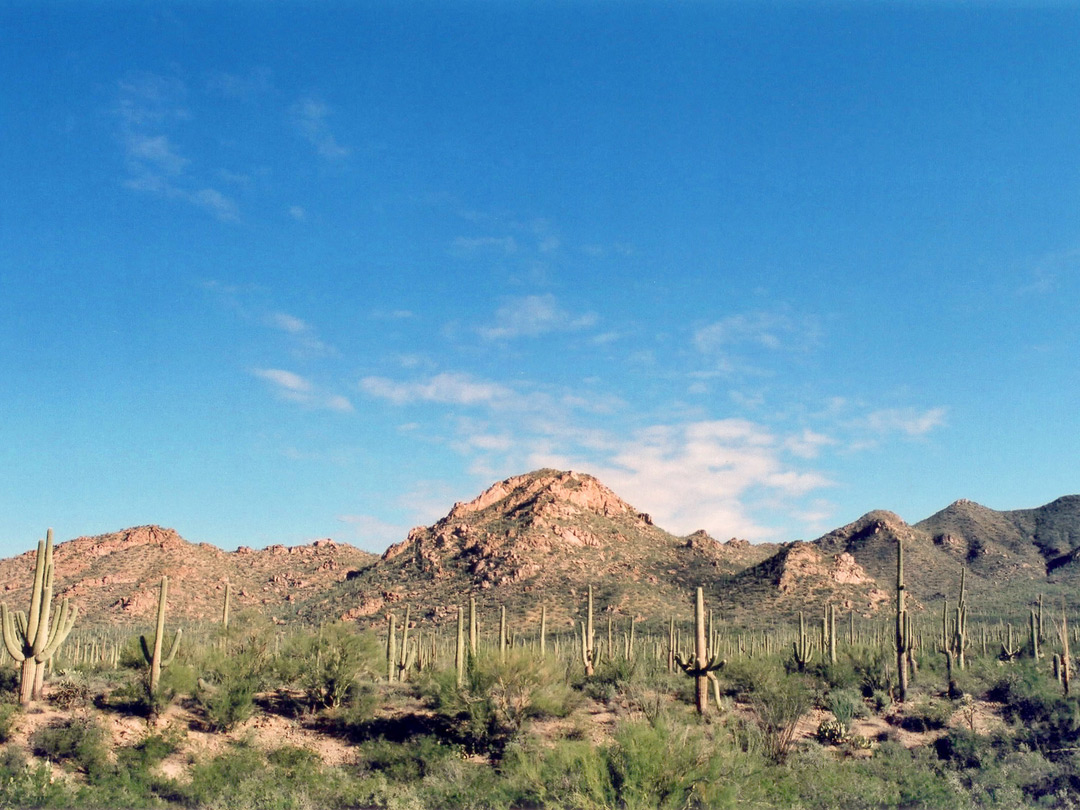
114	577
546	532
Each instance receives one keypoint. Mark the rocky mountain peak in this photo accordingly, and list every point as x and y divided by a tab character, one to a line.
545	491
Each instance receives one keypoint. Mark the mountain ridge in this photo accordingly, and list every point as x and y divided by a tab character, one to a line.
542	538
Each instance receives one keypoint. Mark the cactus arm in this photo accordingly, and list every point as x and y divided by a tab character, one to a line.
65	620
175	646
12	637
35	597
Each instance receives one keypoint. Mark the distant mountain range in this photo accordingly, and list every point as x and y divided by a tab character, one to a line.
542	538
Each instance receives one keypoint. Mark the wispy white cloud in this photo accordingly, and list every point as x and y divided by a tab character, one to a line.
293	387
148	107
532	316
707	474
304	335
151	154
311	118
773	330
911	422
446	388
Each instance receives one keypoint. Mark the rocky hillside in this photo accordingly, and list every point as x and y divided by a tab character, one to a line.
541	539
113	578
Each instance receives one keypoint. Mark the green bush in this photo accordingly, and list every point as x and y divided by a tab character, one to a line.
846	705
79	740
499	697
30	784
779	702
9	712
926	715
330	665
226	691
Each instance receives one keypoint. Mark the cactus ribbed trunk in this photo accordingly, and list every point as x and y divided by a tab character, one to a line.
701	654
473	622
502	632
901	626
391	649
588	640
671	645
226	607
543	630
832	634
459	652
1064	651
159	637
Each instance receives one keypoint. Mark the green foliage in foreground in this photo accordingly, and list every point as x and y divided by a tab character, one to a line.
517	734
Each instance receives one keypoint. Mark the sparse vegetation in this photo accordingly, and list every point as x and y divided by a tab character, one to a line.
543	708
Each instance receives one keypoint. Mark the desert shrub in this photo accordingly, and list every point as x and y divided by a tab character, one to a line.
133	781
331	664
926	715
963	748
846	705
406	761
657	765
9	683
499	697
842	674
230	678
779	702
609	678
287	778
29	784
569	773
70	693
740	677
79	740
1047	720
9	713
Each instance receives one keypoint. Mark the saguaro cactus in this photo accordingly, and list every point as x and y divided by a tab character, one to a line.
472	626
226	606
391	648
903	639
1064	651
802	648
459	652
30	640
702	665
154	658
588	648
543	630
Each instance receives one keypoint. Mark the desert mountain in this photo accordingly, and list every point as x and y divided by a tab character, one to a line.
542	539
113	578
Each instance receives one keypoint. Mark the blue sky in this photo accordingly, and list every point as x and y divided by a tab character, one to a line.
276	271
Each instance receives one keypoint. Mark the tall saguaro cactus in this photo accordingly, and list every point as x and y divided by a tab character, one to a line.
459	651
702	665
903	627
154	658
588	646
29	639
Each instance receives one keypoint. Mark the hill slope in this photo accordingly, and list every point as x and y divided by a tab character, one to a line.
541	539
113	578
